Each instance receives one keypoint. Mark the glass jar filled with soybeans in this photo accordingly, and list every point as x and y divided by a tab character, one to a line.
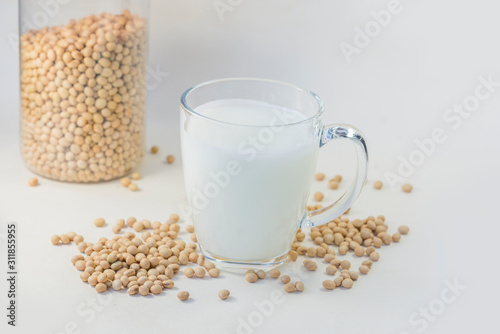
83	87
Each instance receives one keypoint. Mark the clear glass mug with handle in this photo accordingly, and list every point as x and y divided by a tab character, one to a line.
249	151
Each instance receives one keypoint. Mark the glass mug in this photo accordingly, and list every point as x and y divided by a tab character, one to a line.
249	151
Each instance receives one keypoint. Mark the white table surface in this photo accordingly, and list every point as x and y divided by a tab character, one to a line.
396	90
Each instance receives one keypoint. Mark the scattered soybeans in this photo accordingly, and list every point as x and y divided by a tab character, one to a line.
337	178
190	228
377	185
33	182
136	176
145	264
133	187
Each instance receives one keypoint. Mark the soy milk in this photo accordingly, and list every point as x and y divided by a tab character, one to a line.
247	182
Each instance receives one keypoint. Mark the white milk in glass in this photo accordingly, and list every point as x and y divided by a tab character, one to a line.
247	184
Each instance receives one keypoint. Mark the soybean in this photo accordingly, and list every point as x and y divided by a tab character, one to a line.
170	159
347	283
214	272
183	295
223	294
403	229
320	176
364	269
99	222
251	277
55	239
33	182
101	287
274	273
407	188
285	279
310	265
329	284
289	287
345	264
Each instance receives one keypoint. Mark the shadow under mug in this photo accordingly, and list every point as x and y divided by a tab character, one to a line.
249	151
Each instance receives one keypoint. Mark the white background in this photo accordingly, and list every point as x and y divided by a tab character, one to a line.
396	90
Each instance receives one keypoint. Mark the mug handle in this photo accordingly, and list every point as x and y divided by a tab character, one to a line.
329	213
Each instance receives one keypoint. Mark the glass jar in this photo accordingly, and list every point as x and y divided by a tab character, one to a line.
83	87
